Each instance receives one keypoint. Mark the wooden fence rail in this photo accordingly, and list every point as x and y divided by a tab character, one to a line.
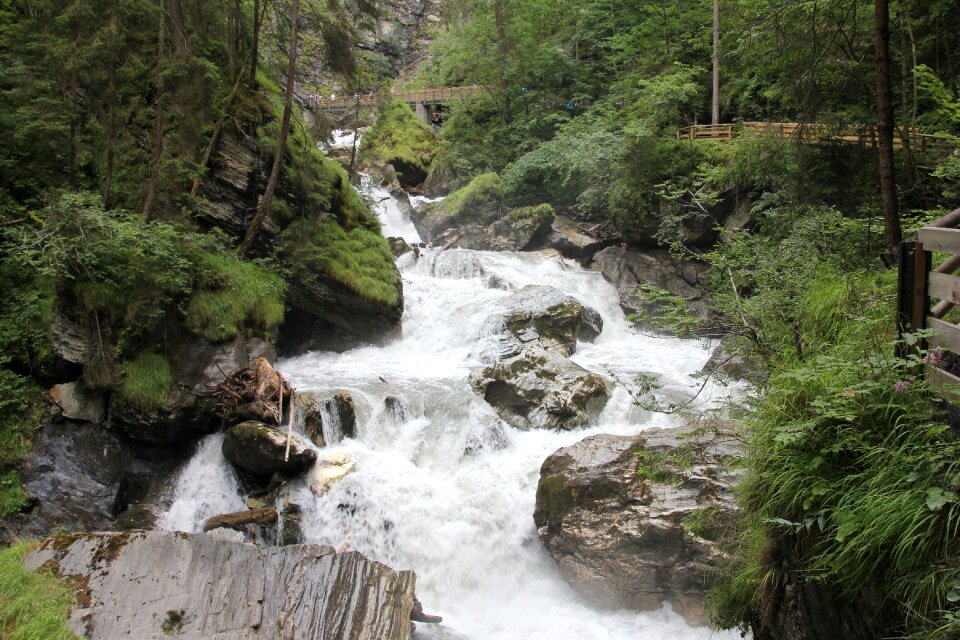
816	133
920	282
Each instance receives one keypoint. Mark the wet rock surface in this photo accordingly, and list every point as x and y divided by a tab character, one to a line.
544	316
205	588
632	521
572	240
540	388
627	268
259	449
84	477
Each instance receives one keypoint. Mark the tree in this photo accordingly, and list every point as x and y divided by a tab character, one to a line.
884	101
267	200
715	106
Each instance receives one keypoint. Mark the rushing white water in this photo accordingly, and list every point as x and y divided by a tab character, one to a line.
441	487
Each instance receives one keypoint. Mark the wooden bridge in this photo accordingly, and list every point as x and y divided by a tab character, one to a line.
421	99
815	133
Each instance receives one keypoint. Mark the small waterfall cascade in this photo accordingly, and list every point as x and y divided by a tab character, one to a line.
442	485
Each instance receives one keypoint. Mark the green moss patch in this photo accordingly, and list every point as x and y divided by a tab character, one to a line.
21	410
358	259
536	214
33	606
399	138
146	381
232	294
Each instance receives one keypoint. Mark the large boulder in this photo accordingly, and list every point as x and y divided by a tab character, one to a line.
540	388
633	521
516	230
155	585
259	449
542	315
323	416
626	269
573	240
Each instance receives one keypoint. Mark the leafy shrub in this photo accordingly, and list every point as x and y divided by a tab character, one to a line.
21	410
146	381
33	605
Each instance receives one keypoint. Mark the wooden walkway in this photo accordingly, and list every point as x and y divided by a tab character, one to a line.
814	133
426	97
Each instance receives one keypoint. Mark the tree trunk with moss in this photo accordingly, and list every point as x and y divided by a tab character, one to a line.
267	200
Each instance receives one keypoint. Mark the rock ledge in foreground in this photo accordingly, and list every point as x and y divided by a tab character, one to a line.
138	584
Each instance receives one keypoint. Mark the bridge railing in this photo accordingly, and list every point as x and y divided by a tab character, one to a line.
920	283
413	97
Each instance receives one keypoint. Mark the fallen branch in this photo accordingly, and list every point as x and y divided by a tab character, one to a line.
238	519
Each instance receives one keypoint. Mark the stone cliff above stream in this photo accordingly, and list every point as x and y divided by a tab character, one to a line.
204	588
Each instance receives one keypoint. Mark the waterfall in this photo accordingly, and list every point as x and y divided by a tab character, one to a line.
442	485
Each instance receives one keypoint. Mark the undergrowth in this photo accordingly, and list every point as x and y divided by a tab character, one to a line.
33	605
21	410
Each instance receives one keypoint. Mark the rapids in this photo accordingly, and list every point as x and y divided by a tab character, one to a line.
441	489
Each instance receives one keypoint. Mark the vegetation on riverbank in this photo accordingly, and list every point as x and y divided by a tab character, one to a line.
33	605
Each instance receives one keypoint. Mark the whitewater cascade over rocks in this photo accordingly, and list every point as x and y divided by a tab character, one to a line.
442	485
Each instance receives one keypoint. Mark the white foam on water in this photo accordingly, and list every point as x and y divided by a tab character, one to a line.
447	490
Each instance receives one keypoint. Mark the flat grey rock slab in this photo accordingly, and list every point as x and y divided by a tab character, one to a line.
153	585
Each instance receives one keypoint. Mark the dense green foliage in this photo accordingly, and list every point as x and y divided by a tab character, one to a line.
108	112
33	605
586	98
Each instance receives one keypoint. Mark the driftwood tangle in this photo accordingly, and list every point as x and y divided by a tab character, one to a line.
255	393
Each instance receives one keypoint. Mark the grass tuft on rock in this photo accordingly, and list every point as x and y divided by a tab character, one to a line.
146	381
33	605
359	259
232	294
535	214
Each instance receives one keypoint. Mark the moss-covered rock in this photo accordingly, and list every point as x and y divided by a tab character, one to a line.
478	202
400	139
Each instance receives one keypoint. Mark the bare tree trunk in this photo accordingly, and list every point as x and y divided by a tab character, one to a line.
884	101
715	106
179	28
267	200
157	150
255	50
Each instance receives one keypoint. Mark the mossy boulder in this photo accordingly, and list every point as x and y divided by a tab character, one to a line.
400	139
259	449
541	388
634	522
479	202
